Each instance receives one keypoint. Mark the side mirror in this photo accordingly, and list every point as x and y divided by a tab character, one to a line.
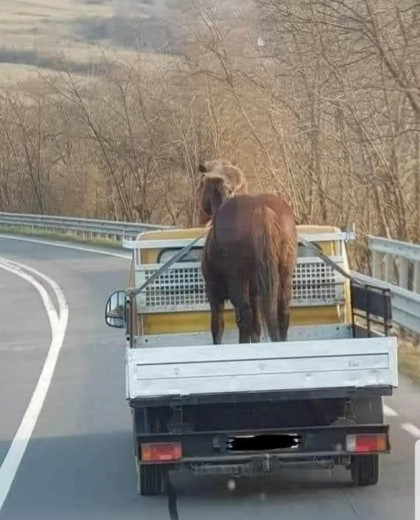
115	310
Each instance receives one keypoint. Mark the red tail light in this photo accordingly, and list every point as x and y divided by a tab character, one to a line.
161	452
367	442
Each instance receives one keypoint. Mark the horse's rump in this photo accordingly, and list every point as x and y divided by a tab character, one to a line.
275	248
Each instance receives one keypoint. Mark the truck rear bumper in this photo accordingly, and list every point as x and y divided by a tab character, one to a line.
270	448
262	464
255	397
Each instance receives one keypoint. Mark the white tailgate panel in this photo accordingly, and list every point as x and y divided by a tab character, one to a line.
297	365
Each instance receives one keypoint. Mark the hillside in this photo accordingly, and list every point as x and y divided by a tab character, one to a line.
34	33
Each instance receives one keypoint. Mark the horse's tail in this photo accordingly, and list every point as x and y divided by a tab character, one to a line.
267	268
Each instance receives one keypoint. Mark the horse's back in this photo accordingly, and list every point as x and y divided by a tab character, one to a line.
236	219
284	214
237	228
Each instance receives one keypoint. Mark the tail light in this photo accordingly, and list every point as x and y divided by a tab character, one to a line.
161	451
367	443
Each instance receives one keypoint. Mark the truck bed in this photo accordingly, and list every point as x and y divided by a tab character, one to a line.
318	364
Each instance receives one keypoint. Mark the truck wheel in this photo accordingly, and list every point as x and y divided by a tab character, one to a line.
151	480
365	470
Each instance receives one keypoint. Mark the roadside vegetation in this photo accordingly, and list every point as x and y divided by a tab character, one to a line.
65	236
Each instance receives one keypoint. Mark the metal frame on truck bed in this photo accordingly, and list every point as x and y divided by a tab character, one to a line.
243	409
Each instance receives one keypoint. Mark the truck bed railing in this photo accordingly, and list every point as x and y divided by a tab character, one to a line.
371	309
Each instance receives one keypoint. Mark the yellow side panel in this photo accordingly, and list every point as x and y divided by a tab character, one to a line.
301	316
180	322
171	234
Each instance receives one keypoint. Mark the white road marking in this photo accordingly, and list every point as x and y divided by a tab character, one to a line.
58	323
389	412
67	246
411	429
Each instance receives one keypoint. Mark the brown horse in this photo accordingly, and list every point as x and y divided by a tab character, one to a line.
249	258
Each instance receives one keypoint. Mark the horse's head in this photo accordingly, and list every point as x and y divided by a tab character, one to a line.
219	181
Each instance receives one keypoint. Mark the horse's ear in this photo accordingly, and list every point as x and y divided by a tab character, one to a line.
202	168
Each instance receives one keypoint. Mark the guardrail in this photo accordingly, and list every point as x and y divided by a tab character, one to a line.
93	227
396	265
396	262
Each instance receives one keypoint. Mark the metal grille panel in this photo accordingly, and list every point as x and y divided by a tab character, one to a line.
182	287
316	282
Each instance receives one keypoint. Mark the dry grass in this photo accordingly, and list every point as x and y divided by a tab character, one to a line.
10	73
409	360
34	12
24	21
49	29
44	27
65	236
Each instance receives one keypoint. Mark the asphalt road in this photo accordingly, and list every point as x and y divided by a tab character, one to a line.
79	464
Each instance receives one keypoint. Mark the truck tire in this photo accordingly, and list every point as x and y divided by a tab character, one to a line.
364	470
151	480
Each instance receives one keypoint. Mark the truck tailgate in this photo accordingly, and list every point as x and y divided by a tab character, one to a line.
261	367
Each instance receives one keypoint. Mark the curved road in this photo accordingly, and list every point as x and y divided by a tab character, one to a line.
78	463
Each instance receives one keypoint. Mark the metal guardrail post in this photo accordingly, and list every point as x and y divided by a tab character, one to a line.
376	265
389	268
403	272
416	277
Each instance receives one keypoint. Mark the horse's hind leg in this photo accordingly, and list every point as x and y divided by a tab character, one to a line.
217	321
283	304
256	324
239	296
284	319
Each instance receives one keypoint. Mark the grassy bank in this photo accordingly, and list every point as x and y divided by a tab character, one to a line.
65	236
34	34
409	361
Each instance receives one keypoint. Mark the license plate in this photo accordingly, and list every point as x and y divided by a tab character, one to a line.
264	442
